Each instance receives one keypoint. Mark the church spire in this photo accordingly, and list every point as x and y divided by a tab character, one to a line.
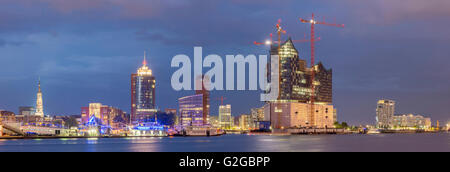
39	85
39	102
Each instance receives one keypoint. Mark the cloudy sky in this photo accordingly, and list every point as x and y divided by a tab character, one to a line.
85	50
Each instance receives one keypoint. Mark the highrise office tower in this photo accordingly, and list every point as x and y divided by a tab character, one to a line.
225	119
142	94
39	102
385	113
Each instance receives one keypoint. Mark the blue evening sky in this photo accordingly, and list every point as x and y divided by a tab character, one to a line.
85	50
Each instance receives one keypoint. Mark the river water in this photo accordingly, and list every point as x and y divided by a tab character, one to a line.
239	143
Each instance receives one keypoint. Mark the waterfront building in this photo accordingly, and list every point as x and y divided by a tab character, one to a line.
285	115
244	122
257	114
295	76
295	79
225	118
191	110
142	94
26	110
214	121
385	112
39	102
104	115
7	116
411	121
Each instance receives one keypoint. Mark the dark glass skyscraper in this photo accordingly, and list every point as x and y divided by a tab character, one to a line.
295	76
142	94
203	81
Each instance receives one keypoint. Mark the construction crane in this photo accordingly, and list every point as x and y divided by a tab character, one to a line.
221	100
270	41
314	22
279	31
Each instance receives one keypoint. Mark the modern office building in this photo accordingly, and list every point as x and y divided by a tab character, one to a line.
225	118
214	121
295	77
39	103
191	110
385	112
106	115
194	110
244	122
257	114
142	94
285	115
411	121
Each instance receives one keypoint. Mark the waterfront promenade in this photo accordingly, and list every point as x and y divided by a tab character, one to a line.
420	142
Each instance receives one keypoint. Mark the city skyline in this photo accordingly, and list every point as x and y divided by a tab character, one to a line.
76	72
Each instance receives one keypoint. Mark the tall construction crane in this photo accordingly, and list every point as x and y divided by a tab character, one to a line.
267	42
221	100
279	31
313	22
270	41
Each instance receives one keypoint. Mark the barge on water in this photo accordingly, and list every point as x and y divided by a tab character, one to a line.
199	131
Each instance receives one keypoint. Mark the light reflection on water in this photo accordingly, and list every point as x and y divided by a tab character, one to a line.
238	143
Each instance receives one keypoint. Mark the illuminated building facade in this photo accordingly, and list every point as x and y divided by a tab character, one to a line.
214	121
142	94
295	92
295	77
105	115
225	118
411	121
39	103
285	115
257	114
244	122
191	110
385	113
7	116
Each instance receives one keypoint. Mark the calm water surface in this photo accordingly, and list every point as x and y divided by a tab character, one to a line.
239	143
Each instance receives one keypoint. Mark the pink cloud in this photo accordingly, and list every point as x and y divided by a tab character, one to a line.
397	11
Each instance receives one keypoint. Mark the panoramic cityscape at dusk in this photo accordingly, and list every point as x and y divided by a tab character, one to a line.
148	76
